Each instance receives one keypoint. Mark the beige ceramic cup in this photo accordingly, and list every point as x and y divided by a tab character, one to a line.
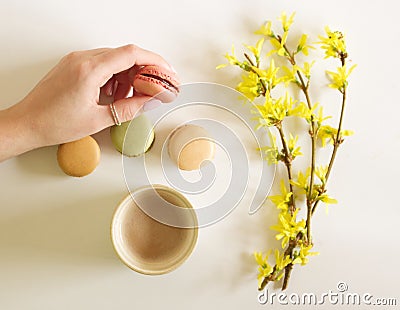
146	245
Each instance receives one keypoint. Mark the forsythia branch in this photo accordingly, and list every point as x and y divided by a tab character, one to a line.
293	231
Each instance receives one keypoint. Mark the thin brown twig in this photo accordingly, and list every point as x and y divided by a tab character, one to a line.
288	164
304	87
292	207
288	159
310	200
338	139
336	143
265	88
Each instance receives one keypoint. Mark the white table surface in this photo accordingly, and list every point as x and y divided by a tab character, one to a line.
55	249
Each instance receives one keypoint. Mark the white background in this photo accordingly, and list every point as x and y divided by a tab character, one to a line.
55	250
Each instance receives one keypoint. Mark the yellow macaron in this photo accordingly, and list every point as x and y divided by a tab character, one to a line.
79	158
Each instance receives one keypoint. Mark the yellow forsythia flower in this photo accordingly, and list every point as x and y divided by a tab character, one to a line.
329	133
294	151
256	50
326	199
269	75
286	22
265	30
273	111
271	152
321	172
281	261
288	227
303	253
333	44
302	46
339	78
250	85
264	268
302	180
282	201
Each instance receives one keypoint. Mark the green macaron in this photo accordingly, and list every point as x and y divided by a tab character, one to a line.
133	138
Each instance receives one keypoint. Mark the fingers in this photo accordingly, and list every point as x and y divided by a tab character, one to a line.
122	58
109	87
126	108
122	91
113	70
118	86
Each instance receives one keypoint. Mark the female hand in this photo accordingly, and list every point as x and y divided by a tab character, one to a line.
64	106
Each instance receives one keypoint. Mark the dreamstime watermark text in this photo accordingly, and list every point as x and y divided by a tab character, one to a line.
340	296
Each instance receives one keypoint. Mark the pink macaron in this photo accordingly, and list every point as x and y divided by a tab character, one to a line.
157	82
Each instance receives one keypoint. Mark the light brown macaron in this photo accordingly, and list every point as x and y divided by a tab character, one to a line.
189	146
79	158
157	82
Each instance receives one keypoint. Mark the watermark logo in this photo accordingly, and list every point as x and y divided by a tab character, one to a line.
342	287
219	186
340	296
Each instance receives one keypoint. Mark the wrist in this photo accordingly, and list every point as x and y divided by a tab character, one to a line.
16	133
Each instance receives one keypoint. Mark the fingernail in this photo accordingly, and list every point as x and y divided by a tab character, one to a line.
111	89
114	88
151	104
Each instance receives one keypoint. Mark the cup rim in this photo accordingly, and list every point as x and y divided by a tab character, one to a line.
188	250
